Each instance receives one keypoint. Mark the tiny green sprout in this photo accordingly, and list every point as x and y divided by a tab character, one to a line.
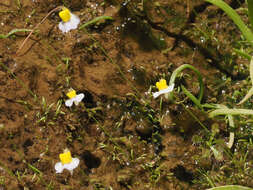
66	60
58	108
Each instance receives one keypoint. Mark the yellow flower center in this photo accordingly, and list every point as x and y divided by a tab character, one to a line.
65	15
71	94
65	157
162	84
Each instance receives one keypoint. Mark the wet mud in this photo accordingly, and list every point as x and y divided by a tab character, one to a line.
121	135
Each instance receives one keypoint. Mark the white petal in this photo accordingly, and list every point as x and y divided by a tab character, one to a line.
69	102
70	25
156	94
72	165
58	167
164	91
78	98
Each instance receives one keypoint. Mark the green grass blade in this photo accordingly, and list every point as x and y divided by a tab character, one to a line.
235	17
93	21
192	97
230	112
251	70
242	53
179	70
231	187
2	36
250	93
250	12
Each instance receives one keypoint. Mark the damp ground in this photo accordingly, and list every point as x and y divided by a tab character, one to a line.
124	138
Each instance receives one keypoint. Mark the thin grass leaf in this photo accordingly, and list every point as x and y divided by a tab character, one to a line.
250	93
242	53
192	97
230	112
34	169
231	187
178	71
250	12
2	36
95	20
231	124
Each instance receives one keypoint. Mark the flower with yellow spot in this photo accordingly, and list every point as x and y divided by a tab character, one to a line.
67	162
73	98
69	20
163	88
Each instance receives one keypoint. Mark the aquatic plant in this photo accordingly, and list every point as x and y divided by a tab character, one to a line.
175	74
67	162
163	88
231	187
95	20
12	32
69	20
73	98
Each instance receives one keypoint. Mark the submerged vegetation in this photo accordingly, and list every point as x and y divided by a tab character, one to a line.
163	100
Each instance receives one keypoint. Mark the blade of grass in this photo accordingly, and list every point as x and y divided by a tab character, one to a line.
250	93
230	112
93	21
192	97
250	12
2	36
231	187
243	54
179	70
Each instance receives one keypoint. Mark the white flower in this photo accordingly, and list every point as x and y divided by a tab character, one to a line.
73	98
163	88
69	20
67	162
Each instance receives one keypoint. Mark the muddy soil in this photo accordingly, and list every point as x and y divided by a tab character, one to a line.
121	135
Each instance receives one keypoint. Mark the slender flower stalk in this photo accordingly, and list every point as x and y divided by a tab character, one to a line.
23	43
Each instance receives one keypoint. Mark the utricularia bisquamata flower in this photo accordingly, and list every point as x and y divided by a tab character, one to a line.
163	88
73	98
67	162
69	20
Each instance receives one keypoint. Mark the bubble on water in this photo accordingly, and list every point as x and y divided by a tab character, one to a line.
202	39
117	28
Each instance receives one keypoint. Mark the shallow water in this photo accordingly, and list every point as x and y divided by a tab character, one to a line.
123	137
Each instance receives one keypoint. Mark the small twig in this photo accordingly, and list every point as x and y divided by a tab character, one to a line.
23	43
